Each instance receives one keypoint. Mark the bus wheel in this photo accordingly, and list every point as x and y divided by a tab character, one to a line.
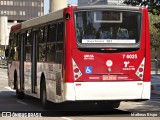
19	94
115	104
43	95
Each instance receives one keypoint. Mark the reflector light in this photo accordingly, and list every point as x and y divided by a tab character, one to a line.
140	75
76	76
140	70
76	71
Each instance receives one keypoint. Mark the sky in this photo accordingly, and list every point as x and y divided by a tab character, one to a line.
46	4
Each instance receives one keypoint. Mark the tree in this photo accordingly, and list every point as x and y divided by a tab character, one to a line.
152	5
154	16
154	30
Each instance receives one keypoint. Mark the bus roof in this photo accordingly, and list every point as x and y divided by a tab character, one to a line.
116	7
59	15
43	19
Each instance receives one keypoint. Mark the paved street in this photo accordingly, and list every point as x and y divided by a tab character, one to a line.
156	84
133	110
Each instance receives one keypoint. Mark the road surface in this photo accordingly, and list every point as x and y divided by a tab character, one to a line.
31	107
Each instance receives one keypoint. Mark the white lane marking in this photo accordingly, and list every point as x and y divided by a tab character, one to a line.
9	88
66	118
21	102
16	100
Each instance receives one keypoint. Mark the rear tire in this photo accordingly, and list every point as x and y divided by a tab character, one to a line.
115	104
43	95
19	94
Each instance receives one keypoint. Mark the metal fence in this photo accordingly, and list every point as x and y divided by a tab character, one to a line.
154	66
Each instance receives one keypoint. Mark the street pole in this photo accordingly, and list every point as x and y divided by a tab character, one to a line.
4	15
41	7
57	5
3	32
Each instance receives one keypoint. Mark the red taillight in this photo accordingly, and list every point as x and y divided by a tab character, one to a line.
140	75
76	71
140	70
76	76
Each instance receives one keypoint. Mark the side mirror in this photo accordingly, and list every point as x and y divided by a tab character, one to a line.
6	52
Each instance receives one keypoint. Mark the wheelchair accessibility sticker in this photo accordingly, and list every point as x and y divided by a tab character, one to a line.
88	69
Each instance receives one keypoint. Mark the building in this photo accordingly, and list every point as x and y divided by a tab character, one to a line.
57	5
21	10
13	11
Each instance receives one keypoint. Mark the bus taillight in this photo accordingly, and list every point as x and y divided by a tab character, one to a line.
77	72
140	70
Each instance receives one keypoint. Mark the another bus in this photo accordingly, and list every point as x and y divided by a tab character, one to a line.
82	54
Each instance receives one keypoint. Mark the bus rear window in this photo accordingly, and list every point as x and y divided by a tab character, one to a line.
106	27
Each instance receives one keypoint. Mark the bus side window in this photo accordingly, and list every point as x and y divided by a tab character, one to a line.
12	53
28	45
16	48
42	36
51	43
59	46
12	46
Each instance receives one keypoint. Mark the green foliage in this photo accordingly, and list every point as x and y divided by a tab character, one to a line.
154	14
154	30
152	5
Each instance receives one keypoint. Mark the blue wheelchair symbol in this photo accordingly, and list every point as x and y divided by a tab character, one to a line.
88	69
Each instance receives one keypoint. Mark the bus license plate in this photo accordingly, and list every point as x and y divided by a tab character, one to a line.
109	77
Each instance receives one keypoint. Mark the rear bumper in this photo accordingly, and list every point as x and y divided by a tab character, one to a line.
92	91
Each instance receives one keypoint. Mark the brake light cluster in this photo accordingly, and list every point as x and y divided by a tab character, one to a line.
140	70
76	70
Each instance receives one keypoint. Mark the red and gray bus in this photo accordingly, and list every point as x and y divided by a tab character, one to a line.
86	53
